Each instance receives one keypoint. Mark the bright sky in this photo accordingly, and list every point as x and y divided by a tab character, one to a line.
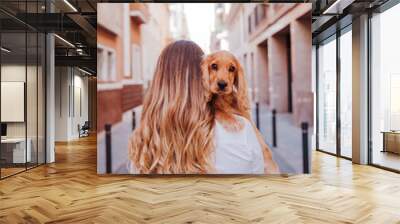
200	20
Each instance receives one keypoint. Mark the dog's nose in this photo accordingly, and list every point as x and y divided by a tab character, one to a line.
221	85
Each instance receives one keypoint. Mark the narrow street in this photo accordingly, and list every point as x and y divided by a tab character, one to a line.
288	153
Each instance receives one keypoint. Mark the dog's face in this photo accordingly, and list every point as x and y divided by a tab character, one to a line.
221	73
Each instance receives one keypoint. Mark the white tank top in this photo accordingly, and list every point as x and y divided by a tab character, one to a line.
238	152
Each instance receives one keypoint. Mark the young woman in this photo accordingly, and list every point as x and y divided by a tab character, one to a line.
178	133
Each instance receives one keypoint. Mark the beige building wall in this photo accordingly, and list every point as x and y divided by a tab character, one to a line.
107	17
178	24
273	40
278	72
301	69
237	39
155	36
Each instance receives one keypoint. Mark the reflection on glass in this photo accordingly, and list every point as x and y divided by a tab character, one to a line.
327	96
385	84
346	94
13	84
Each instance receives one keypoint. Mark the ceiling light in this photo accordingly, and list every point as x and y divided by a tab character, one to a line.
84	71
5	50
70	5
79	51
337	7
65	41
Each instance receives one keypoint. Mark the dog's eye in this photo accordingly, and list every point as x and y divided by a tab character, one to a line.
232	69
214	66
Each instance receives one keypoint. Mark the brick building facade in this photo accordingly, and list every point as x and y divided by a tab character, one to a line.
124	67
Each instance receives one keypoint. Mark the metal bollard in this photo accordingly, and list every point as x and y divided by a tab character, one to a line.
108	148
133	120
306	162
274	143
258	115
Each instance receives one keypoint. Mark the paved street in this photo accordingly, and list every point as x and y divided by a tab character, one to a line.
288	153
119	144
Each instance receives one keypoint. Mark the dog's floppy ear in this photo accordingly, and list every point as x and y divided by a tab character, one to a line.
206	77
241	89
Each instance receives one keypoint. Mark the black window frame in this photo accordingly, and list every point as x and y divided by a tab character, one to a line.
334	35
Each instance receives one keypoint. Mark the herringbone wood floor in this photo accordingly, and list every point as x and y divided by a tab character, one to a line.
70	191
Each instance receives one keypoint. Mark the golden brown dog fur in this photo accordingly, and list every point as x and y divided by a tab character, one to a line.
222	68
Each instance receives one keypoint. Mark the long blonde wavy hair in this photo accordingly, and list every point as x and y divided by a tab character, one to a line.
175	135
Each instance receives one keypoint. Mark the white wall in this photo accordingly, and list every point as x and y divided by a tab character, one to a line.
14	73
81	84
61	103
70	83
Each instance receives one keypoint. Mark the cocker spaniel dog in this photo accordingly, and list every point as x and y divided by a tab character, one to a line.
224	80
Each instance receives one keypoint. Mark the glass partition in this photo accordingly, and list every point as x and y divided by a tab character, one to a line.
22	89
14	153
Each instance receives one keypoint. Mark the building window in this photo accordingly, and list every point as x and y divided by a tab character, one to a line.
136	68
264	9
111	66
253	80
106	64
260	13
245	64
100	64
256	18
249	24
335	94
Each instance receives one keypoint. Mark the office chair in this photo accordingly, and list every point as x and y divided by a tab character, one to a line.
84	130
